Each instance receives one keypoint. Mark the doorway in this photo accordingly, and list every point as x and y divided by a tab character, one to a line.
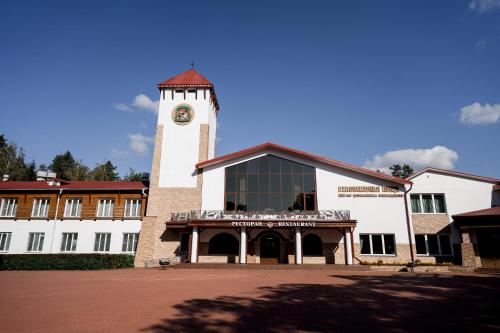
489	247
269	249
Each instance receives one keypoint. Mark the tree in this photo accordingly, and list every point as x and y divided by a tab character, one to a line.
62	165
12	161
133	176
105	171
404	171
31	171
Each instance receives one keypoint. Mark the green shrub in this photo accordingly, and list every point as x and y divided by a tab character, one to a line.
36	262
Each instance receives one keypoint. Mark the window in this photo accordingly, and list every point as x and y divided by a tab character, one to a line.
270	183
130	242
379	244
223	243
102	242
5	241
312	245
105	207
73	207
40	207
132	208
35	241
428	203
69	240
433	245
184	242
8	207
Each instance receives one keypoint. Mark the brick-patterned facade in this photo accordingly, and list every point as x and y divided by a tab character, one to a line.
431	223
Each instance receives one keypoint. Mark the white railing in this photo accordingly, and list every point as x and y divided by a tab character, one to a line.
332	215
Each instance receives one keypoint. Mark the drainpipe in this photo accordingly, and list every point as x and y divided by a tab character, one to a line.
55	222
408	224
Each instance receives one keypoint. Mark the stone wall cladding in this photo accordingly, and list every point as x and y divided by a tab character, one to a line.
431	223
156	241
402	256
339	254
314	260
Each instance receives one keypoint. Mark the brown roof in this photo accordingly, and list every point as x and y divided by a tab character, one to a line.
305	155
191	79
456	174
494	211
496	187
73	185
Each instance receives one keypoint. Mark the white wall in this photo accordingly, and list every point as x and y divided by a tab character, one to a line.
180	144
86	230
461	194
374	215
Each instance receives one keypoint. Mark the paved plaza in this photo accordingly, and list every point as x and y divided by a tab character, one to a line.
247	300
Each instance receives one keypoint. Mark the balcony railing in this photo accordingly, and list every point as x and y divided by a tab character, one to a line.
326	215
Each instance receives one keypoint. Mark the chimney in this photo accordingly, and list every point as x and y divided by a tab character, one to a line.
5	178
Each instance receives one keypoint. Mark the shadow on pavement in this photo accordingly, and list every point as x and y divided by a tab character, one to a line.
396	303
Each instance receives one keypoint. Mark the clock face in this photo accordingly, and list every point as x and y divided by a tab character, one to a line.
182	114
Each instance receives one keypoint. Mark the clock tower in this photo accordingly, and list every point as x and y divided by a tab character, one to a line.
185	136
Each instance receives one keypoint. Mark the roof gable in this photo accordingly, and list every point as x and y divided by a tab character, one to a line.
189	78
456	174
298	153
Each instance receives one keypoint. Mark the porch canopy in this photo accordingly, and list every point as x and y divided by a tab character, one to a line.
489	217
221	219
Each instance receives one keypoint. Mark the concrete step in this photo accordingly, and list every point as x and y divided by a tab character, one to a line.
284	267
488	270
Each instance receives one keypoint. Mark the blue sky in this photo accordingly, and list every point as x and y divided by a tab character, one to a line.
370	83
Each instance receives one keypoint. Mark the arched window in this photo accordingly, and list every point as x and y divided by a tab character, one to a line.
270	183
312	245
223	243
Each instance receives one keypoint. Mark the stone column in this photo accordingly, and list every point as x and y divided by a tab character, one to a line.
243	245
348	246
194	246
298	246
468	255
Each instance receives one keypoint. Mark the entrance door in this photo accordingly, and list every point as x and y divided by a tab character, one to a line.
489	247
269	249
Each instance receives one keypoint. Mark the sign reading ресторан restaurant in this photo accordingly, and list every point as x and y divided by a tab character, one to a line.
368	192
272	224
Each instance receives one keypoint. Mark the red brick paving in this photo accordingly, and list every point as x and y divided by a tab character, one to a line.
239	300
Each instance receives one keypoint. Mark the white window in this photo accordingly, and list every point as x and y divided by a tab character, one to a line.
8	207
428	203
35	241
105	207
379	244
433	245
69	240
5	241
132	208
73	207
130	242
40	207
102	242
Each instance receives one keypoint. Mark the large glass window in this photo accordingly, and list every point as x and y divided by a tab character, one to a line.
380	244
433	245
270	183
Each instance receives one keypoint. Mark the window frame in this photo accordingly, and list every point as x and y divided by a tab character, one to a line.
433	203
6	237
135	241
46	208
31	242
112	212
100	242
64	242
440	248
6	201
383	245
139	210
80	206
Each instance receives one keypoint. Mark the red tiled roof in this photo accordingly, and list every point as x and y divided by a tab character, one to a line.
305	155
494	211
73	185
189	78
456	174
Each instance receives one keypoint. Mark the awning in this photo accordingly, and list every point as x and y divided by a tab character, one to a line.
489	217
